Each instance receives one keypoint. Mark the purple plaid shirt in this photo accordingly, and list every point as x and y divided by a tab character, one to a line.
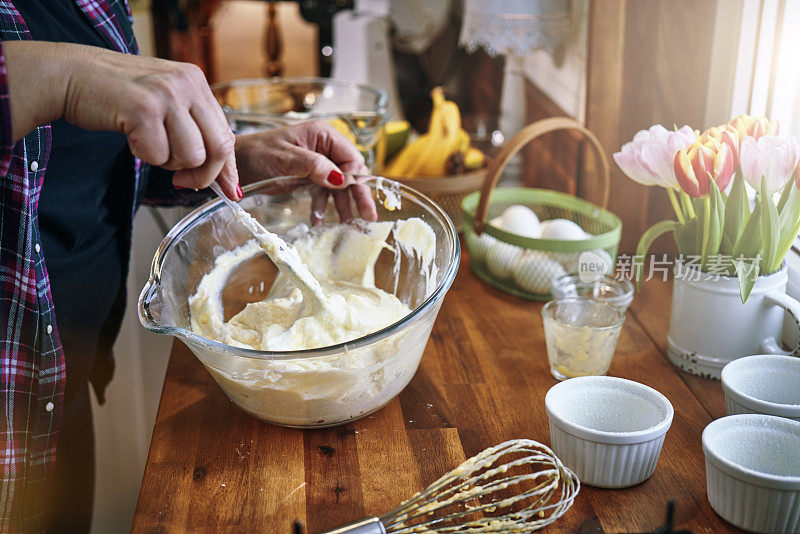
32	376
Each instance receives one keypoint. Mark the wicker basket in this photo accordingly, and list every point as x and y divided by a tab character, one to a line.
525	266
448	191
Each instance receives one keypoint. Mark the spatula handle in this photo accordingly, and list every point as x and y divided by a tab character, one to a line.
231	204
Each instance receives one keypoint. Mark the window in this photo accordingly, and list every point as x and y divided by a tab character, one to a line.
758	73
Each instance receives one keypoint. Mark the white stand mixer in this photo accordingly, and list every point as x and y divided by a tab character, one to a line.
362	49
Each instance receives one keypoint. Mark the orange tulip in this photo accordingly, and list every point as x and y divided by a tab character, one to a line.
748	126
702	162
723	134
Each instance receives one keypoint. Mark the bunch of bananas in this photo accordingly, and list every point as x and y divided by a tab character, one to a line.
443	150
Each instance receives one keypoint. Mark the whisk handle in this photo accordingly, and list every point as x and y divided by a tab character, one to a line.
371	525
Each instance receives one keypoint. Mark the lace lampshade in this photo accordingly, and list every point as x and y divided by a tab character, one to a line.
518	27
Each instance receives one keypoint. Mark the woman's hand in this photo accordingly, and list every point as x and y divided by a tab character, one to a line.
165	108
313	149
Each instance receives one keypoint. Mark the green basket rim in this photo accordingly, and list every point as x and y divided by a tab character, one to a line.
528	195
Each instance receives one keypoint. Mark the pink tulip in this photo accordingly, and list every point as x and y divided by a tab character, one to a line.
696	166
748	126
772	157
648	158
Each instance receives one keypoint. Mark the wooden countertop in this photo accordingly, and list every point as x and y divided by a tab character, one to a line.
482	381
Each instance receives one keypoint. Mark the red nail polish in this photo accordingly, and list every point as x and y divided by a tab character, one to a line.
239	191
178	187
335	178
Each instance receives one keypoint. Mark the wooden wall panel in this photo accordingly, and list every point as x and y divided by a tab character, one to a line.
606	42
552	161
648	63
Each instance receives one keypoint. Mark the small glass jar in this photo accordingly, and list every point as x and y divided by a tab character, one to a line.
618	292
581	335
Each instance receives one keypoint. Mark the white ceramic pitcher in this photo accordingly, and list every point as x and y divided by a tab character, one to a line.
709	326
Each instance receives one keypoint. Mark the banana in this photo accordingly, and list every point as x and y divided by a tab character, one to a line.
463	141
428	155
437	95
474	159
421	150
432	140
409	158
446	144
402	162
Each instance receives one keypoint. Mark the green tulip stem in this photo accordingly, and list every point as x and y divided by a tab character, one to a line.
687	205
706	231
644	245
675	205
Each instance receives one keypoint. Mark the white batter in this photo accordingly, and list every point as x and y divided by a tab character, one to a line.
342	258
328	389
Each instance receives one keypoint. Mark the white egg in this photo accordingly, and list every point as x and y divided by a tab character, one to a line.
568	260
562	229
500	258
604	257
520	220
478	245
497	221
533	272
571	261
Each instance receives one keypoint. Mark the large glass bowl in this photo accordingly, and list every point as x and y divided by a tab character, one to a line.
264	103
308	388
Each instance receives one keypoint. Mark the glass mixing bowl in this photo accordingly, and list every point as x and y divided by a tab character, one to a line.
307	388
264	103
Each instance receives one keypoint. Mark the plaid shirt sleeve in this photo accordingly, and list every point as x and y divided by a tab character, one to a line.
6	138
32	371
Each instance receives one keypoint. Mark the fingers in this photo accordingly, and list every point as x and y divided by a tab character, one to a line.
329	141
319	200
148	141
315	150
322	170
365	204
186	146
174	121
212	132
319	152
220	160
228	179
344	207
322	138
200	156
362	194
218	138
342	188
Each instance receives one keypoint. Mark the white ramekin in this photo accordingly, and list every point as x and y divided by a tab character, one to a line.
765	383
753	471
608	430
